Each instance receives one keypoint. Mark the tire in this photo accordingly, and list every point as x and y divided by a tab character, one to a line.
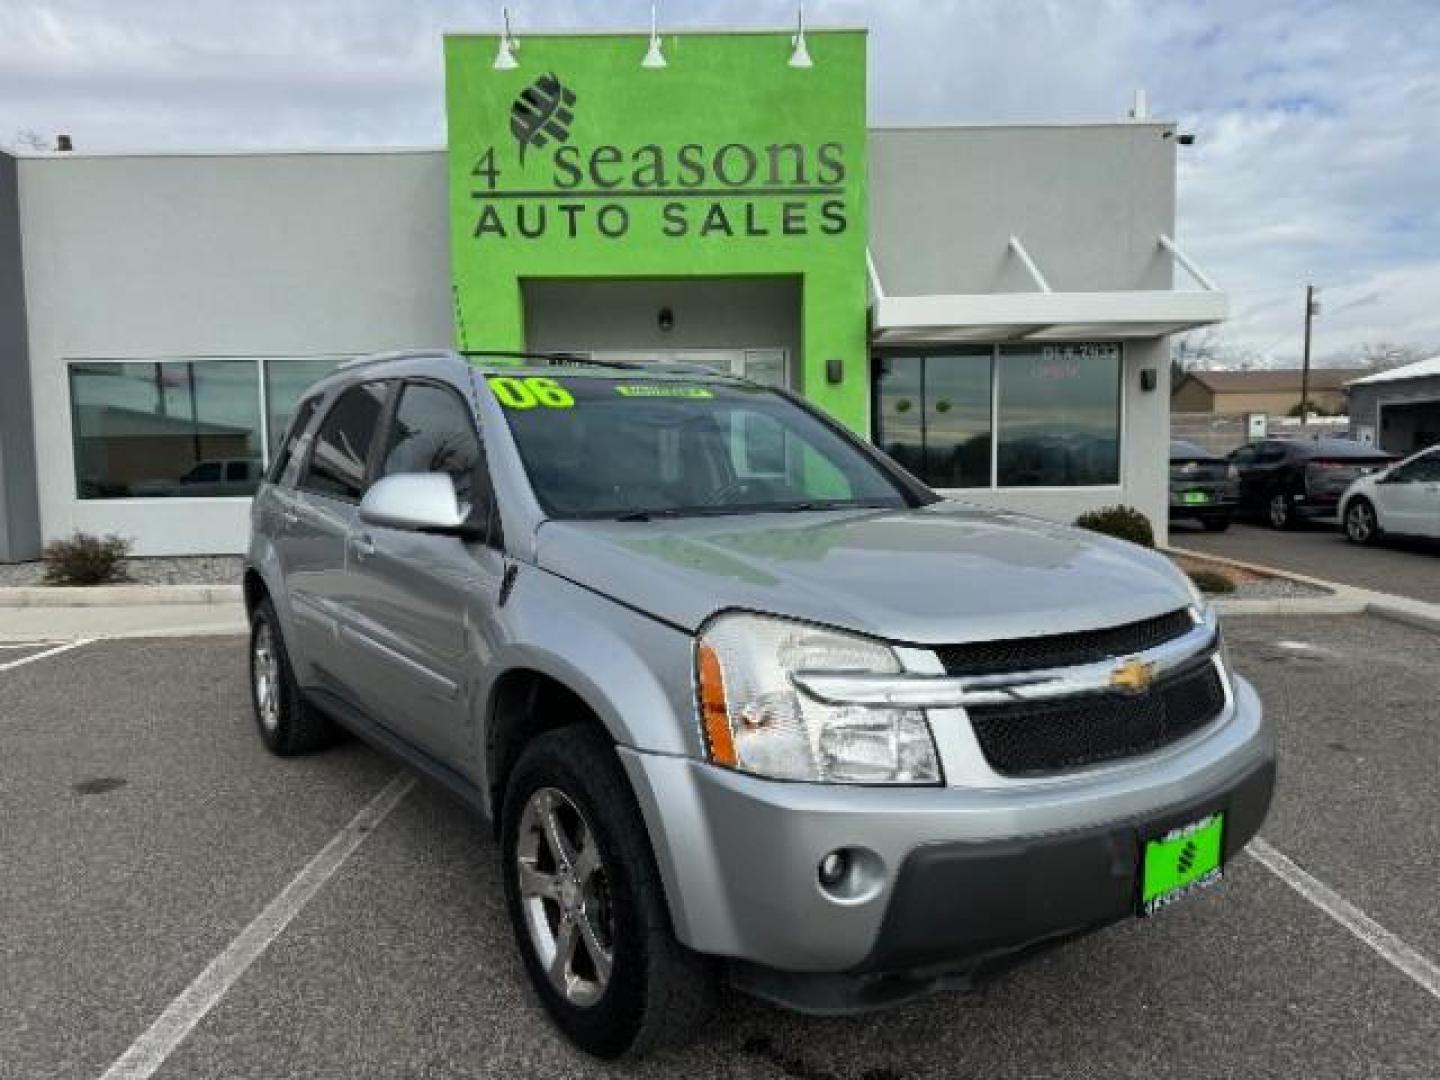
1280	511
1216	524
1362	526
288	724
656	991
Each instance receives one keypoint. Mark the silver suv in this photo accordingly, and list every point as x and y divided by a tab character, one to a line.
741	698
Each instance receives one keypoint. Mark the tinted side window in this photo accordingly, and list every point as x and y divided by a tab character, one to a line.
298	424
1243	456
434	431
1425	470
342	445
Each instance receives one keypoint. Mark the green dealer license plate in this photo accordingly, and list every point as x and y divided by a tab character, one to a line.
1181	862
1193	498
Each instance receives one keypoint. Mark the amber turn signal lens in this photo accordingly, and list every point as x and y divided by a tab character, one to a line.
713	713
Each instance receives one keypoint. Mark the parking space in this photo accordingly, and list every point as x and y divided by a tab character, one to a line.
1402	567
144	828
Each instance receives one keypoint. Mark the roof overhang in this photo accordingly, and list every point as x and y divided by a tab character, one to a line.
1043	316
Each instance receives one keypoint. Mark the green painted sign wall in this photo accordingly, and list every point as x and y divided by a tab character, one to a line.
580	163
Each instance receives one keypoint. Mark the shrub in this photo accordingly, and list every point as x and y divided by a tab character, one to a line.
1121	522
1211	581
83	559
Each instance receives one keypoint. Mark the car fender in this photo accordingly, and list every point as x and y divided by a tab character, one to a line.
633	671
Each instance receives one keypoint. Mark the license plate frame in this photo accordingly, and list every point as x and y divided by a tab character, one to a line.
1180	862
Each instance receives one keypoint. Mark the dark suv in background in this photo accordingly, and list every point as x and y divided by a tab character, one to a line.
1204	487
1284	481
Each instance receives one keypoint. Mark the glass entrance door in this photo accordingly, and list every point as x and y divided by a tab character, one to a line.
766	366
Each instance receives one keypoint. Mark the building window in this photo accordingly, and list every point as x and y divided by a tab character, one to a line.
1058	416
182	428
1008	416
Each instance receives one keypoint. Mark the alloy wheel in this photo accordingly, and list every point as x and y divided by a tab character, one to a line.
265	669
565	895
1360	522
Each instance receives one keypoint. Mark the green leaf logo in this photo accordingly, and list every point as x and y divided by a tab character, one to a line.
543	112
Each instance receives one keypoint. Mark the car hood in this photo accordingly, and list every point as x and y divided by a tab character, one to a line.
943	573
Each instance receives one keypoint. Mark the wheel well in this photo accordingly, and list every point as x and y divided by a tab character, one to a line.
254	590
526	704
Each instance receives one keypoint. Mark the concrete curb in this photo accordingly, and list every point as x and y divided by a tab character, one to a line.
1347	599
51	596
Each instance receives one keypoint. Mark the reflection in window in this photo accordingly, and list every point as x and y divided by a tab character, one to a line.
933	416
342	445
182	428
157	430
1059	416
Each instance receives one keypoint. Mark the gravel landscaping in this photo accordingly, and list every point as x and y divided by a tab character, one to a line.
1253	586
186	570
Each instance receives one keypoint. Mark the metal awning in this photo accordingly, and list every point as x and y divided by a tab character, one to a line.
1045	315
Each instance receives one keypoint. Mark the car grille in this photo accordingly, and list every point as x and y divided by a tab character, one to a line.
1041	737
1063	650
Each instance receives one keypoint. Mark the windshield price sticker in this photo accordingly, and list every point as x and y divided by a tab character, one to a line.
693	392
528	393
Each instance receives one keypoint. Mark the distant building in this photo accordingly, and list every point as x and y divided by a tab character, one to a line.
1275	393
1398	410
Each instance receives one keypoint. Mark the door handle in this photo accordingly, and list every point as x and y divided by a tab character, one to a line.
364	546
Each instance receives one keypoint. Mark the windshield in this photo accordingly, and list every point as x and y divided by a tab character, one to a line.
598	447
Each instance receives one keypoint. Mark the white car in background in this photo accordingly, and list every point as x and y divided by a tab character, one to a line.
1403	500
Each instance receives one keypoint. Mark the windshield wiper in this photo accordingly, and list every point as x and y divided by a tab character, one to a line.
683	512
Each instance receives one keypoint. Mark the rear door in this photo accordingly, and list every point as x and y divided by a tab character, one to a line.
425	606
1409	498
333	480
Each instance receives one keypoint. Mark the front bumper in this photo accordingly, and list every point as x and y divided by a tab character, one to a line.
967	876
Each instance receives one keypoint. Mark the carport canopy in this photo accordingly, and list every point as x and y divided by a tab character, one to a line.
1043	314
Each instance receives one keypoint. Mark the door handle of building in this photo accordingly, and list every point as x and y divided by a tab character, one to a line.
364	546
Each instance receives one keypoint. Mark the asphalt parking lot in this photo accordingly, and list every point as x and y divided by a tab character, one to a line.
1402	567
142	828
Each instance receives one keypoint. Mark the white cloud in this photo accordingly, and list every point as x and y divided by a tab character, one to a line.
1316	120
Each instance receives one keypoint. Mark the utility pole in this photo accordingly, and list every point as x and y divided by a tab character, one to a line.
1305	367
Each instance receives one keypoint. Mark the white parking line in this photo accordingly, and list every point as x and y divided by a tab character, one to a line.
56	651
1423	971
149	1051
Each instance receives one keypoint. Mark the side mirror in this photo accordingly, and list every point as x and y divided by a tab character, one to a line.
416	502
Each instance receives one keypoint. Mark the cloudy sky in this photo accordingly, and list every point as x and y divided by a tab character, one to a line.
1317	123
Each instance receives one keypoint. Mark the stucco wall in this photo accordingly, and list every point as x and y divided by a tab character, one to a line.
230	255
1089	202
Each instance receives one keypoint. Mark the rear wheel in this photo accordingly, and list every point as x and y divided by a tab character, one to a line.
288	724
1282	511
1361	525
587	905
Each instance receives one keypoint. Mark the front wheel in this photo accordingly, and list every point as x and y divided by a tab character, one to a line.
1361	526
587	905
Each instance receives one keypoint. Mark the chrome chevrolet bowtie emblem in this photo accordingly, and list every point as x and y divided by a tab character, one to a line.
1133	677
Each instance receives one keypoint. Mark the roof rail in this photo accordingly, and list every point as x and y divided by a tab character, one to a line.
380	358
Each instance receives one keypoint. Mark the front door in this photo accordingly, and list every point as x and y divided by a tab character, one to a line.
424	605
1409	497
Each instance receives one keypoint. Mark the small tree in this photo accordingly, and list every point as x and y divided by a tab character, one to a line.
83	559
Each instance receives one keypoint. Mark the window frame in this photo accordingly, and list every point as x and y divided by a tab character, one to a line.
286	452
491	527
940	352
382	424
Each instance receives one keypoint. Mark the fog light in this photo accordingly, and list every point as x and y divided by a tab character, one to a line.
833	867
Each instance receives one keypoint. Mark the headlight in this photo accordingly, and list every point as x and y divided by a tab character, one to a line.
757	721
